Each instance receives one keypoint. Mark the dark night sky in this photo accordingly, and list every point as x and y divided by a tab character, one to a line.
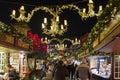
76	27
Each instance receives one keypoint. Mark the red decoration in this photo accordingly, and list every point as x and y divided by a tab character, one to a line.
44	48
37	45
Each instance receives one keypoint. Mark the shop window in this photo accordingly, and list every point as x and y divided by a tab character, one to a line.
14	60
2	62
23	63
117	67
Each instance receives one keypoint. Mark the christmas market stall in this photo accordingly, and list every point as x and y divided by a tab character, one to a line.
102	47
14	46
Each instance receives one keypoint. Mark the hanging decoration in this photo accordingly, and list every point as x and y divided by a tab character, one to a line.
61	43
56	27
81	12
105	17
37	45
9	30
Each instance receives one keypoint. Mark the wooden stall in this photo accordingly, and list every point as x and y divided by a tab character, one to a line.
11	49
108	43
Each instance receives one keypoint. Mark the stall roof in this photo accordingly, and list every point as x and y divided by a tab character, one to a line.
111	43
112	46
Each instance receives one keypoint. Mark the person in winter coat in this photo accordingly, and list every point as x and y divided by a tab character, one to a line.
83	71
60	72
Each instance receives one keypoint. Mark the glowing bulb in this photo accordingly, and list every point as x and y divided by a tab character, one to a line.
75	39
65	45
90	1
42	39
51	27
100	8
45	38
84	10
62	27
57	18
13	12
65	22
22	8
45	20
43	26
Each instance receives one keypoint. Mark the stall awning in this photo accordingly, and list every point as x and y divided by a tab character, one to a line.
112	46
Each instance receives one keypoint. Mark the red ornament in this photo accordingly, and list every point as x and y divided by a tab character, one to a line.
37	45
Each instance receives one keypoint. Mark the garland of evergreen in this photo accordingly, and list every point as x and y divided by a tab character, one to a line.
100	25
7	29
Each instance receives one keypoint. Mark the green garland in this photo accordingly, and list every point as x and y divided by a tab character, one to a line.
9	30
101	24
100	53
36	55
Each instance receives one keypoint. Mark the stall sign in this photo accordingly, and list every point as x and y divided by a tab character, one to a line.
2	37
9	39
23	44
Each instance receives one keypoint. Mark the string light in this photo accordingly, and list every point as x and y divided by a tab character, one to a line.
55	27
60	45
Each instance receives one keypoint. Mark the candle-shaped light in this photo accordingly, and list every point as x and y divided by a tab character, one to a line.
75	39
41	39
13	12
72	41
43	26
22	8
45	38
65	22
79	41
84	10
45	20
48	40
51	27
57	45
65	45
57	18
90	1
62	27
100	8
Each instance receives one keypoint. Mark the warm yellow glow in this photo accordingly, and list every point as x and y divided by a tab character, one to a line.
51	27
43	26
57	11
84	10
100	8
22	16
76	41
13	12
8	50
90	1
57	18
62	27
41	39
65	22
55	26
45	38
65	45
61	45
22	8
45	20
